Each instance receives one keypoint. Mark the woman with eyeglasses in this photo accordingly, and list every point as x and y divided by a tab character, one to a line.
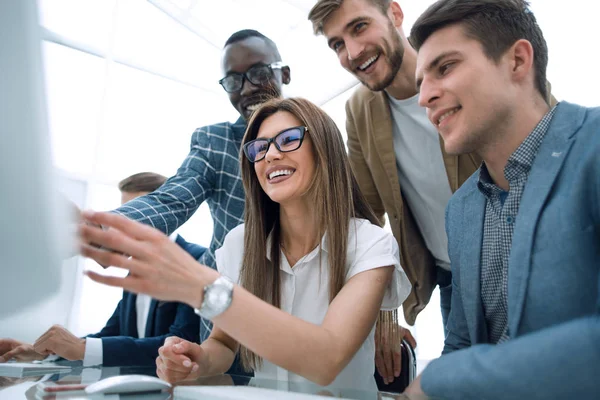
299	285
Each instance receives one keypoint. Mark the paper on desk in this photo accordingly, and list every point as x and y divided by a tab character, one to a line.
238	392
20	370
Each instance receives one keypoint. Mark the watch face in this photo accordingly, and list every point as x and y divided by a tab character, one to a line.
218	296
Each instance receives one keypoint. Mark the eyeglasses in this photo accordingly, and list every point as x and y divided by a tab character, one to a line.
258	75
285	141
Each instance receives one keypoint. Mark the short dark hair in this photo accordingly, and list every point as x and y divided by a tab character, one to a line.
496	24
250	33
142	182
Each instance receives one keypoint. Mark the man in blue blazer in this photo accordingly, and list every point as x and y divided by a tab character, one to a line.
524	230
121	343
138	326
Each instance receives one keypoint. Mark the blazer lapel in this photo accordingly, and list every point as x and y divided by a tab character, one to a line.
547	164
379	112
151	319
129	316
470	265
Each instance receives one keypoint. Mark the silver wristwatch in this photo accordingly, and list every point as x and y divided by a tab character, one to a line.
217	298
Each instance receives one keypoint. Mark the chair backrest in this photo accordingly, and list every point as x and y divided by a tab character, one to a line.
407	372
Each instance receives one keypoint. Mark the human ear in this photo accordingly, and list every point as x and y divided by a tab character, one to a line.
396	14
285	75
521	59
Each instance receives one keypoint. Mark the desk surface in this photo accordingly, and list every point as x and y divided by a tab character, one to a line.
217	387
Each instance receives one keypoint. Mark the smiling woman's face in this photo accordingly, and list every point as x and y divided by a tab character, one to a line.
285	176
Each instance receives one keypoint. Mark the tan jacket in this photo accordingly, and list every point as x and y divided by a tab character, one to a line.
371	151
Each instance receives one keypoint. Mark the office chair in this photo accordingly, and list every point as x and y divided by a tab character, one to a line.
407	373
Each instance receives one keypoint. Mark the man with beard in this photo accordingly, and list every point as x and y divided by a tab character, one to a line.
396	153
253	73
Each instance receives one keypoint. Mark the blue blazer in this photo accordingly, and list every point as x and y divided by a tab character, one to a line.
121	345
553	279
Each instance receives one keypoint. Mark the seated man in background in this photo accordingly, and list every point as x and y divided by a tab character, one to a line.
138	326
524	230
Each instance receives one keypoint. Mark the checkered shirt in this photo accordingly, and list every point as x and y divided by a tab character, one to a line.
501	214
211	173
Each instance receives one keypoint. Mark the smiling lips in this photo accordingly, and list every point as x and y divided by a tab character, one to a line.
362	67
253	107
279	175
446	115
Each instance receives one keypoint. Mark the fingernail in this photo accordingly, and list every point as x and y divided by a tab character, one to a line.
187	363
177	347
195	368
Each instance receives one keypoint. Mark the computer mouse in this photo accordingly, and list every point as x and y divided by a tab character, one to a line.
127	384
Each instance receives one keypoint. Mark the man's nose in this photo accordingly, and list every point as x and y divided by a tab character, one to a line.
429	92
354	50
247	87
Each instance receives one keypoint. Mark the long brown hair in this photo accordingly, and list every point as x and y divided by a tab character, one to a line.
334	192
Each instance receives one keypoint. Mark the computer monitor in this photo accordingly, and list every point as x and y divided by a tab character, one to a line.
31	214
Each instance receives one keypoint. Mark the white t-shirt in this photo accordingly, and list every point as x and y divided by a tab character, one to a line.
422	173
305	291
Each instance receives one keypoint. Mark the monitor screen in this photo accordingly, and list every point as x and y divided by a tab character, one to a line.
32	215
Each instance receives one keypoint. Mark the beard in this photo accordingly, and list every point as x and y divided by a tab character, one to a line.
394	53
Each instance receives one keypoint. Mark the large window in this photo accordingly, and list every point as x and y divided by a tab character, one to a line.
127	85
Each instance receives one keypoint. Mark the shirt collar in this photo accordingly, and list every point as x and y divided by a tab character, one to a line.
520	161
485	184
322	246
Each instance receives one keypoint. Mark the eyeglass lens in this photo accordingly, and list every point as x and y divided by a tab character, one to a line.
288	140
257	75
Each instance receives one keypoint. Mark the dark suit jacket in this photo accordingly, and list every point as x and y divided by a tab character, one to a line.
121	345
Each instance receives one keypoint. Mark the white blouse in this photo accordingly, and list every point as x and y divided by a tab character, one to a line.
305	291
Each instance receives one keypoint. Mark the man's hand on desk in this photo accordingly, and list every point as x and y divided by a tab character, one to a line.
58	340
10	348
176	360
